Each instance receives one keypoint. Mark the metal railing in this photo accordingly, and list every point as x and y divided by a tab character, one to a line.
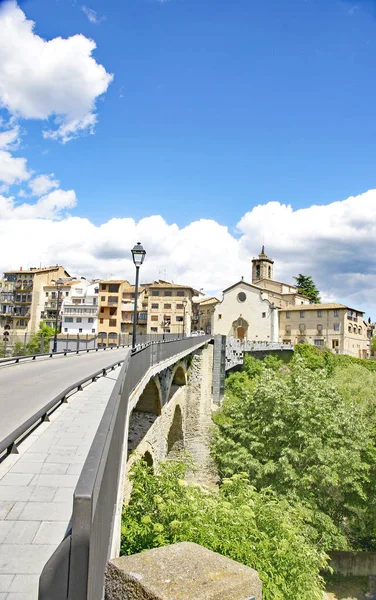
9	444
76	569
17	359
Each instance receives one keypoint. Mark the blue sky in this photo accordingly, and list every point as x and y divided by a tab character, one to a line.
216	106
231	121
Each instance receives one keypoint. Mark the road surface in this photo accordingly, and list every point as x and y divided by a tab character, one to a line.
28	386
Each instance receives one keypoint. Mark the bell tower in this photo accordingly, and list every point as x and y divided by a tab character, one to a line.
262	267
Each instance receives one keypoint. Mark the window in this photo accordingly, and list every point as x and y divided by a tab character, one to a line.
269	272
336	326
287	314
93	331
167	330
350	329
301	327
319	313
79	320
302	314
103	298
90	320
155	305
319	328
69	319
103	287
219	316
180	306
336	313
154	317
154	329
65	329
112	322
167	306
102	309
242	297
113	299
258	271
101	320
263	315
319	342
113	288
80	330
180	293
96	290
288	329
155	292
46	294
168	293
360	330
179	319
66	293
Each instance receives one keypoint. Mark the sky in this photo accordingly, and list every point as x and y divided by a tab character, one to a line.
202	128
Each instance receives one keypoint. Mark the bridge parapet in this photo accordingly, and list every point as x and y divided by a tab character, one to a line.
236	348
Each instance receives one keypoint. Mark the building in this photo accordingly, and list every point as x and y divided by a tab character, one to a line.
127	309
334	326
246	312
203	314
169	308
79	311
110	311
22	300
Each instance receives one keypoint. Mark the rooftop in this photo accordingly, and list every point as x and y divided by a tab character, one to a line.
36	270
328	306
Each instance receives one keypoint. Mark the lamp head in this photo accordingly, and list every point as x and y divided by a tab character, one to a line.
138	254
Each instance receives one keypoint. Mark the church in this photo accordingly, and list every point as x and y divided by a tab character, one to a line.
250	310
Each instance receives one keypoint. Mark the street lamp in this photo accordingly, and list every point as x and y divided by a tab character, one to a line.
58	283
185	302
138	255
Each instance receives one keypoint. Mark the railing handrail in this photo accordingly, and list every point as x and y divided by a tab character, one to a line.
17	359
9	443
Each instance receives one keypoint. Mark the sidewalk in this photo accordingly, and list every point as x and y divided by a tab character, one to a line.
36	488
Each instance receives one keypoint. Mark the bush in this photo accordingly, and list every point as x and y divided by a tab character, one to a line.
255	528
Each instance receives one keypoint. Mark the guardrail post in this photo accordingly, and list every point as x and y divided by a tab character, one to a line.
78	343
41	344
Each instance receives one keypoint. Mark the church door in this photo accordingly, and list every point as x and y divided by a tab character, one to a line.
240	333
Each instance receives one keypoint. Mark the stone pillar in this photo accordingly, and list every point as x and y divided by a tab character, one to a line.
183	570
219	365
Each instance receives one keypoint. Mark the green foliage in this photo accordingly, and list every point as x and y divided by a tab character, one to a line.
306	287
19	349
304	435
257	529
34	345
373	344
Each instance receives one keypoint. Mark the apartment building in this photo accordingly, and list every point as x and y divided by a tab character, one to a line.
22	299
79	311
127	309
334	326
203	314
169	308
109	315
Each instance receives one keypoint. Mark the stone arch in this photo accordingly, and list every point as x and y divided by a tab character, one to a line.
146	411
175	439
178	379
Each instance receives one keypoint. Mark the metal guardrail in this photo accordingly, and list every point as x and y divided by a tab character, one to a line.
17	359
9	444
81	558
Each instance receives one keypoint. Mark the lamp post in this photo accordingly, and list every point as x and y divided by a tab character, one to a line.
138	255
185	301
58	283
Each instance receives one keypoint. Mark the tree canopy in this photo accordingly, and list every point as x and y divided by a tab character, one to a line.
306	287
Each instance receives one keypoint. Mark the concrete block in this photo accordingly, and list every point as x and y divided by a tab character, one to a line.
183	570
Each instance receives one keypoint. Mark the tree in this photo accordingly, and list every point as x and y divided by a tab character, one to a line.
306	287
257	529
19	349
34	345
296	431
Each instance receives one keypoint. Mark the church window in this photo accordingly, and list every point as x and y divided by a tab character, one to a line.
242	297
302	314
270	272
264	315
287	314
219	316
258	271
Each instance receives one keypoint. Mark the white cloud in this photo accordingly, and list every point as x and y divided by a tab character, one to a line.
9	139
12	170
57	78
336	244
42	184
50	206
92	15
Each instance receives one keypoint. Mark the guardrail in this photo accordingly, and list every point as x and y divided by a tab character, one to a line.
9	444
76	569
17	359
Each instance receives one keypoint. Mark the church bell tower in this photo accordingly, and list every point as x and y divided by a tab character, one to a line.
262	267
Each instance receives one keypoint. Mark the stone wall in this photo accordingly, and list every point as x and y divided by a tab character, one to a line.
353	563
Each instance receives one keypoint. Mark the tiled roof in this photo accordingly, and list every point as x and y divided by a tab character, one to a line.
36	270
211	300
328	306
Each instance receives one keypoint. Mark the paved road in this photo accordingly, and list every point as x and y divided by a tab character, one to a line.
28	386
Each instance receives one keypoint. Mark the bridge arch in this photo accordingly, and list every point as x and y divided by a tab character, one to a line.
175	439
148	458
178	379
150	400
146	411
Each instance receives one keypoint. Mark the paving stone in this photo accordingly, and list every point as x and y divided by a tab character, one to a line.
55	480
3	596
53	468
5	507
74	469
5	527
50	532
23	595
64	494
22	532
15	512
33	457
15	493
26	467
5	582
24	583
31	558
16	479
43	494
50	511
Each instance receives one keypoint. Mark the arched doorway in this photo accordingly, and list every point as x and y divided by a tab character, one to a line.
240	328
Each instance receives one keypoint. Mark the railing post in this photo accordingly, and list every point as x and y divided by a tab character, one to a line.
41	344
